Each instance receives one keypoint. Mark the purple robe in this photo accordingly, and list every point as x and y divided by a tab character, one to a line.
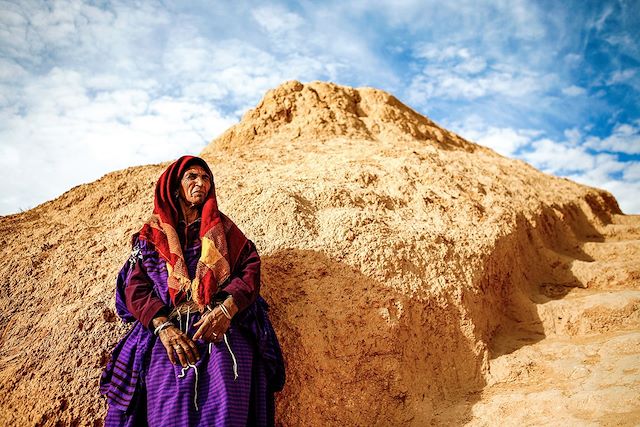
141	385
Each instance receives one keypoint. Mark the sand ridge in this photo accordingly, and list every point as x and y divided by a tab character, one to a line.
409	271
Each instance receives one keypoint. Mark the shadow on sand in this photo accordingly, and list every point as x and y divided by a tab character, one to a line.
358	352
528	267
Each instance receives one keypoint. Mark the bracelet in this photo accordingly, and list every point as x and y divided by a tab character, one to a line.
162	327
225	311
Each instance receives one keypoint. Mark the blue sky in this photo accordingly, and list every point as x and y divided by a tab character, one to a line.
90	87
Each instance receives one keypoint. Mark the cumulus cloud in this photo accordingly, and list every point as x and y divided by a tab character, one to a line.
555	157
631	172
573	135
625	138
506	141
69	132
277	19
573	90
96	109
599	170
455	72
570	158
622	76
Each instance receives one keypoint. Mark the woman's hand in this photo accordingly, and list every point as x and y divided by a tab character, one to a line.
214	324
177	343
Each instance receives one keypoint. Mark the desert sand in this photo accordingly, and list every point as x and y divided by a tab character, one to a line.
415	278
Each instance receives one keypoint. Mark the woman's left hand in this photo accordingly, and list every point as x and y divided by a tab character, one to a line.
212	326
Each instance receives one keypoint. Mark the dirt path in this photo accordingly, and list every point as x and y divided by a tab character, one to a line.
585	367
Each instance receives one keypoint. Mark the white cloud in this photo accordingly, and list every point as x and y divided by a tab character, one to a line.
11	71
460	73
573	90
434	83
506	141
555	157
573	59
567	158
463	62
473	65
599	170
625	42
276	19
632	172
625	138
70	136
573	135
626	193
439	54
490	19
236	71
599	23
622	76
570	158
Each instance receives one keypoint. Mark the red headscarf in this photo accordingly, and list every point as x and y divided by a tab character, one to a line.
216	261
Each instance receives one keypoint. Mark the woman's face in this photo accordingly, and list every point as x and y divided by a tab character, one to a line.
195	185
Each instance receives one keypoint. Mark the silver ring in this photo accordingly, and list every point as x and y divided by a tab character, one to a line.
214	334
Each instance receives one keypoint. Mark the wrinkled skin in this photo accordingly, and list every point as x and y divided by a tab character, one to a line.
194	187
211	328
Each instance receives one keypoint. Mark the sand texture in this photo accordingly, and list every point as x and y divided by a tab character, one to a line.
415	278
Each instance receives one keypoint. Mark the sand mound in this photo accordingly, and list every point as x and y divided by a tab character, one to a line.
409	271
321	111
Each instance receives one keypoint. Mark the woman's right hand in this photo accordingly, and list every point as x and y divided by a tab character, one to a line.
177	343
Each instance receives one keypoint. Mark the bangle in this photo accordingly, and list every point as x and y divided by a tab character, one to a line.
225	311
162	327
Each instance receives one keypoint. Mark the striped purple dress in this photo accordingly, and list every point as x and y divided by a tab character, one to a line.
142	387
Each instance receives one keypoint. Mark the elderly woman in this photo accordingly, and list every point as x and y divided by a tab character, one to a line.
202	351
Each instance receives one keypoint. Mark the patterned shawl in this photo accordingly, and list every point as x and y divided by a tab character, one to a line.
213	267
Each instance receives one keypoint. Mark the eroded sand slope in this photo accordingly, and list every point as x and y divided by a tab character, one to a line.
414	277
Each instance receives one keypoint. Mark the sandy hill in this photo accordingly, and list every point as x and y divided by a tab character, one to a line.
415	278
